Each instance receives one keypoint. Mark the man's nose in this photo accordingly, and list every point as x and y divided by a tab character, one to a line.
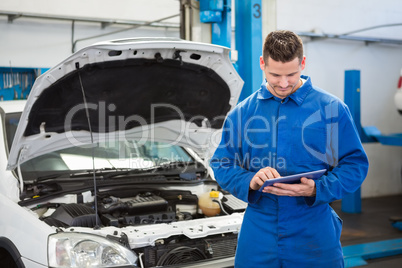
283	82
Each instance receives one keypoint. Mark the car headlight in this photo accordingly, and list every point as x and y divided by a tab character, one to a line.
87	250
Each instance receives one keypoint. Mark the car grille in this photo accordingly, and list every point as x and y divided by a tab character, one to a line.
179	252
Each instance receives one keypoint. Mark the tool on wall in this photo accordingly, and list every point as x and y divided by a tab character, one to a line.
16	83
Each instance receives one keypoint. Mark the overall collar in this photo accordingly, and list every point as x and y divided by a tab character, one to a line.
298	96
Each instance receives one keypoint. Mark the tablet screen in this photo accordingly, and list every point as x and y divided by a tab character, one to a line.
294	178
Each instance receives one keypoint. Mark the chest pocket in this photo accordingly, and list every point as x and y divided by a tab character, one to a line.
309	146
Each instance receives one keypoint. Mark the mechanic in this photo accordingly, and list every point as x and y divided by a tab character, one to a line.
288	127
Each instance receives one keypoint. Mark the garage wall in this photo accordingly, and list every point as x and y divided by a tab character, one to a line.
380	66
140	10
43	43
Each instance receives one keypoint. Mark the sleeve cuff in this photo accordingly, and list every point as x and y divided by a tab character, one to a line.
254	196
310	200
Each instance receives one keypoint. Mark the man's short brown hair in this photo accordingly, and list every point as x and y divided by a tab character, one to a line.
283	46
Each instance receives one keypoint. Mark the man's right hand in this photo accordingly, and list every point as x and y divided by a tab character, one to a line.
261	176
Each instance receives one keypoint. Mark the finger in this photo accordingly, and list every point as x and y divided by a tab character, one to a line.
258	180
307	181
268	189
310	185
283	186
276	173
273	171
262	175
278	191
268	173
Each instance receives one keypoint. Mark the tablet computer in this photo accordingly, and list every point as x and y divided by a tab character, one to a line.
294	178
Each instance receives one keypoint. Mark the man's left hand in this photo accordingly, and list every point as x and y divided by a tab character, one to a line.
305	188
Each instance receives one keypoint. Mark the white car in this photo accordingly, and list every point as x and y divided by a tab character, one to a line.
105	164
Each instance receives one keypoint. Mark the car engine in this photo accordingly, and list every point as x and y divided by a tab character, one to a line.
118	209
144	208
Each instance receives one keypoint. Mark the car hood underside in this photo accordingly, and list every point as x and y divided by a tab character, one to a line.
172	90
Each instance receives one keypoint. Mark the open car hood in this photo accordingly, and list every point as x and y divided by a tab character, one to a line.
162	89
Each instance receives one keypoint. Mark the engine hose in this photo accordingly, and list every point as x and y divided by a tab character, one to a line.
220	205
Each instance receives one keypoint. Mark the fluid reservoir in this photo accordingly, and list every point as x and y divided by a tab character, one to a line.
207	205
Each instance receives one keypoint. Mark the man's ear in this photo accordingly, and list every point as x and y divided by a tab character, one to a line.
262	63
303	63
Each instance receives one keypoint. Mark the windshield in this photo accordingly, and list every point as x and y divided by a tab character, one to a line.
126	154
111	155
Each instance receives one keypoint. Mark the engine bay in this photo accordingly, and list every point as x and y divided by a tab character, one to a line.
183	234
119	211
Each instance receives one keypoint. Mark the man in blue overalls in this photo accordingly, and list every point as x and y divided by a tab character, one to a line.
288	127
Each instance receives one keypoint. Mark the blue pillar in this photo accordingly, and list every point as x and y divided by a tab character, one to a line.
352	99
352	202
248	16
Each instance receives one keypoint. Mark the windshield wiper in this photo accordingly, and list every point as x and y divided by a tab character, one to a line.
99	172
51	177
174	164
80	173
107	173
154	170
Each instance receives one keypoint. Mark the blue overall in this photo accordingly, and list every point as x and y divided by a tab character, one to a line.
307	131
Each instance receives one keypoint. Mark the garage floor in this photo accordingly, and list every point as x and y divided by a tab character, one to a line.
372	225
